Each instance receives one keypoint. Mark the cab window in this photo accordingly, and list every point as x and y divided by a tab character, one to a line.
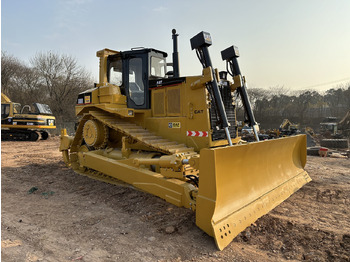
158	66
116	73
17	108
5	110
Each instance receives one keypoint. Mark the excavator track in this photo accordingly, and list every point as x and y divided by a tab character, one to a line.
20	135
139	134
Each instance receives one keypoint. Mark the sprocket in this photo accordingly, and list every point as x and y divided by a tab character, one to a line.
95	134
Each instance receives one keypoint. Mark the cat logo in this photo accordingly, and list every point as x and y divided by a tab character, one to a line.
174	125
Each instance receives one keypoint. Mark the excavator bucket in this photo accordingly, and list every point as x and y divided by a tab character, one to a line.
238	184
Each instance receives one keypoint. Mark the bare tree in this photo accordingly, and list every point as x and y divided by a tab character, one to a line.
256	94
10	67
18	81
62	79
278	90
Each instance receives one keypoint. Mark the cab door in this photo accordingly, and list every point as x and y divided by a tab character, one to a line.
136	81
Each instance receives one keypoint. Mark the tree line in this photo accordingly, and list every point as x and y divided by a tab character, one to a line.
57	79
49	78
306	107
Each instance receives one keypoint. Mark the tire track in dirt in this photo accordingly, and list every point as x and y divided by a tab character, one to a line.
89	220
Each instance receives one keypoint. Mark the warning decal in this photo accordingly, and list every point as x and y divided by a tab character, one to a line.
197	133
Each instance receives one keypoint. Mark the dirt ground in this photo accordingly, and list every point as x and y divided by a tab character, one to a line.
49	213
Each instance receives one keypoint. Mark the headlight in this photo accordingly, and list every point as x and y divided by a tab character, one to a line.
50	122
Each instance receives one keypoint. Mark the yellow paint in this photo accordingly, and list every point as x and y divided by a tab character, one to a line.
18	118
150	149
239	184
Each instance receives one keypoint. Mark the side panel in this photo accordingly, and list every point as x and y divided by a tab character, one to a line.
181	113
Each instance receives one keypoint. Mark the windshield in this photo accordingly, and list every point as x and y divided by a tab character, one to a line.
158	66
42	109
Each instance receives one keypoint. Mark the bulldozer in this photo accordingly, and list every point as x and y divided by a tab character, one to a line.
176	137
27	123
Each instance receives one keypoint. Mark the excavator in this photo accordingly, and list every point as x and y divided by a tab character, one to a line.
288	128
176	137
27	123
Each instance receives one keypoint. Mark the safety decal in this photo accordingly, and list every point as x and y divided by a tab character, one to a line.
197	133
87	99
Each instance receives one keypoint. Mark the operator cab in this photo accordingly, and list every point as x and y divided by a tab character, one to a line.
141	65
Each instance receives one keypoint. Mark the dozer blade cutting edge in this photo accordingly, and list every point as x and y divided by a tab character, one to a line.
239	184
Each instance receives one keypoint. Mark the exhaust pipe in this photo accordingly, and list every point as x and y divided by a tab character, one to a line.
176	70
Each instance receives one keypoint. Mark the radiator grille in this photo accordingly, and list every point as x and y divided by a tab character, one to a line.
174	105
158	104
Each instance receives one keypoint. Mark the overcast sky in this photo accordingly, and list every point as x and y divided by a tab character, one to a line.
297	44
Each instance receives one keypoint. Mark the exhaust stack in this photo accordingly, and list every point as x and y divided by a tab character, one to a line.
176	69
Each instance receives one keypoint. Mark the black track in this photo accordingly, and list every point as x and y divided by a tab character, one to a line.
23	135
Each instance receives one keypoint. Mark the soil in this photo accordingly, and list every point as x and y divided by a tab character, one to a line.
50	213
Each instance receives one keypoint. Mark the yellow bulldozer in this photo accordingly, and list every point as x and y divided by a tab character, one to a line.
176	137
25	123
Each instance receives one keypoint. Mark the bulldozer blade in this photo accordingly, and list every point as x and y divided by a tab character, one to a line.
238	184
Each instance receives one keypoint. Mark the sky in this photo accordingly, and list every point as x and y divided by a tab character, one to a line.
298	45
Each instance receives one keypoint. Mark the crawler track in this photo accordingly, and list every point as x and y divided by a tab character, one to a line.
133	131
